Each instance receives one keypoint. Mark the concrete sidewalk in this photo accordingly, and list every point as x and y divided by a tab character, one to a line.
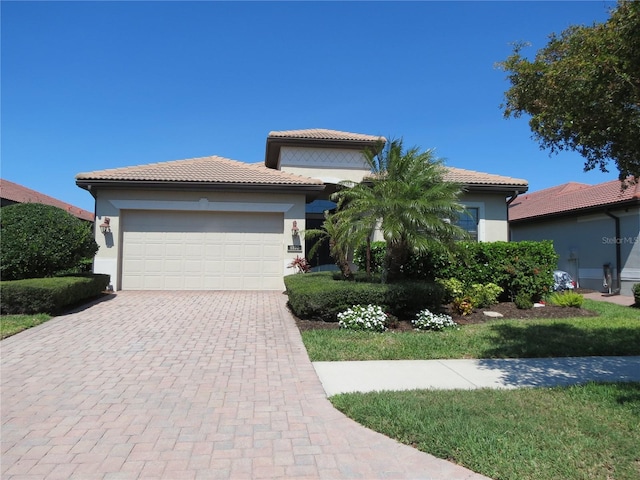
624	300
366	376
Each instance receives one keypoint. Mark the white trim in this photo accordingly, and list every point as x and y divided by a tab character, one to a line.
202	205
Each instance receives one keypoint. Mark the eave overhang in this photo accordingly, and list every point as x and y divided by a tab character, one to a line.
311	191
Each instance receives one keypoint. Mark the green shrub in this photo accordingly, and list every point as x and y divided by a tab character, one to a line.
462	305
485	295
425	266
566	299
453	288
49	295
319	296
514	266
378	252
523	301
636	293
40	240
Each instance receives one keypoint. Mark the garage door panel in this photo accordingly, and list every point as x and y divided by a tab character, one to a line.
202	250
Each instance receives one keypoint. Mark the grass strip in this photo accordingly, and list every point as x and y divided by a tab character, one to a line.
12	324
616	331
574	433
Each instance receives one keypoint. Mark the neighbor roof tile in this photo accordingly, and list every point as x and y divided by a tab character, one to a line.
571	197
19	194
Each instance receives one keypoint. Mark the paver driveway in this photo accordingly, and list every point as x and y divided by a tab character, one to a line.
181	385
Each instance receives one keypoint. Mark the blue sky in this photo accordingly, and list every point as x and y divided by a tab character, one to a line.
94	85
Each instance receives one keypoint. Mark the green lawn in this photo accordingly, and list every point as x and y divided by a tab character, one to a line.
12	324
587	432
616	331
573	433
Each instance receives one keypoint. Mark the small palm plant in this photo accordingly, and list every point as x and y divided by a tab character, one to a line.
341	242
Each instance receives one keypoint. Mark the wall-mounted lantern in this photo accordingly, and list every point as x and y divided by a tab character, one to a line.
104	226
295	231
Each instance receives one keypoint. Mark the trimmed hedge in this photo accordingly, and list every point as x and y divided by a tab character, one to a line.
636	293
518	267
41	241
49	295
319	296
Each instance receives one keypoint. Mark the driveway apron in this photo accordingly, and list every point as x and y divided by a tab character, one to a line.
182	385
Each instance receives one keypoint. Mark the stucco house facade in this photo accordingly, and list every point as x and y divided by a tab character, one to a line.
594	228
213	223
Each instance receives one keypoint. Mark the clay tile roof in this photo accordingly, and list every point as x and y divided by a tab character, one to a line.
471	177
19	194
572	197
324	134
212	169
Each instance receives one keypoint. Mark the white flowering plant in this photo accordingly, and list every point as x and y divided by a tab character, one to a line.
426	320
360	317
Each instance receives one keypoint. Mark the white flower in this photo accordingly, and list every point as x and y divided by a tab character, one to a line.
426	320
358	317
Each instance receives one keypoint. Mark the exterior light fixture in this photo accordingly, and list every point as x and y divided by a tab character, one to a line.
295	231
104	226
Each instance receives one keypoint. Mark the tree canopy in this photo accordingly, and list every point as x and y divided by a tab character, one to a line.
582	91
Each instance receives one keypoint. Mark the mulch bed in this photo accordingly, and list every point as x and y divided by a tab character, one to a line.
507	309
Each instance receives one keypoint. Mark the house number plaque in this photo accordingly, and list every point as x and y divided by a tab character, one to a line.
294	248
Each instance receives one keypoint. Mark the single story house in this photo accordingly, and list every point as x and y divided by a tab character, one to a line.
594	228
212	223
12	193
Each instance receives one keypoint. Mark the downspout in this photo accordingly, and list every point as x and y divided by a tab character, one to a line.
618	254
509	202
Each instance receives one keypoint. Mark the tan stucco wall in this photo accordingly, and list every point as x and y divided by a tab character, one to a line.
328	164
492	207
110	203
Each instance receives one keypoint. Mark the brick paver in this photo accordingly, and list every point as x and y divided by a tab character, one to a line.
183	385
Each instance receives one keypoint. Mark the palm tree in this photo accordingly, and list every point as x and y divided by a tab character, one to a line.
407	198
341	240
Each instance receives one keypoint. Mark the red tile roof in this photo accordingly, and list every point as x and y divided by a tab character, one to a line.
19	194
571	198
211	170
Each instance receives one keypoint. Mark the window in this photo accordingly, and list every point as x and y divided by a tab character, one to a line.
469	222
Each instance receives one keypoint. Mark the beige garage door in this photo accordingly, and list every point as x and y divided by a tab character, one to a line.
202	251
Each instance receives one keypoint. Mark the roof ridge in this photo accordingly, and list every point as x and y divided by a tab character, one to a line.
207	169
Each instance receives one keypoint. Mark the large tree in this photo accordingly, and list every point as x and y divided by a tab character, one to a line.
407	198
582	91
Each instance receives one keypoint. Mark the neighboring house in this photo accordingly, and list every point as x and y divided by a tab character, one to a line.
593	228
213	223
12	193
